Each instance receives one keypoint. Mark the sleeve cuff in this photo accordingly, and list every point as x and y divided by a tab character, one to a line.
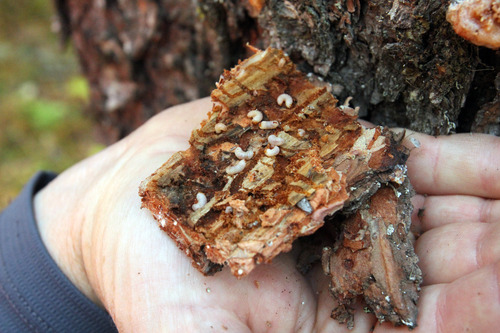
34	294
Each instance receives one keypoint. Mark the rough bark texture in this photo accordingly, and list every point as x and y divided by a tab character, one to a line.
374	258
276	159
401	60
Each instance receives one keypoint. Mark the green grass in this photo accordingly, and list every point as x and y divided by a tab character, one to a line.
42	98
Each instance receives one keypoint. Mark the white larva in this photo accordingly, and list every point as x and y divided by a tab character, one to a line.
282	62
220	127
201	201
287	99
236	168
305	205
301	132
347	100
414	141
268	124
274	140
243	155
272	151
256	116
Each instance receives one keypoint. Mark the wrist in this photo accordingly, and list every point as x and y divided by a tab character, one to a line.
60	216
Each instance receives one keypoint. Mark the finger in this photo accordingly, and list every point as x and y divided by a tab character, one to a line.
166	133
434	211
169	130
454	250
470	304
180	119
457	164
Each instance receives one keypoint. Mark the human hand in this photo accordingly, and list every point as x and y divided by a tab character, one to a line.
457	213
90	219
114	252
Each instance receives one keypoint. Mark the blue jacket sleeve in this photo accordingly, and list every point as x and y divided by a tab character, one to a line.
35	296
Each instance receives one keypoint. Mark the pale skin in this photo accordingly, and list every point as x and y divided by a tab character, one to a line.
93	226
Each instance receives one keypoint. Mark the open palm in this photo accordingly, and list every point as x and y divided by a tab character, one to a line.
116	254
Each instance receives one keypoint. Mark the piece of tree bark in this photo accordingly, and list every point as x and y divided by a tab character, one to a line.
273	161
374	259
275	156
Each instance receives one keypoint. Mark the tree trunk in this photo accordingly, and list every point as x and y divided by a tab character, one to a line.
400	60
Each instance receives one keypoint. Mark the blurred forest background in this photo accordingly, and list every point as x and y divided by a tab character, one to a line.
43	97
